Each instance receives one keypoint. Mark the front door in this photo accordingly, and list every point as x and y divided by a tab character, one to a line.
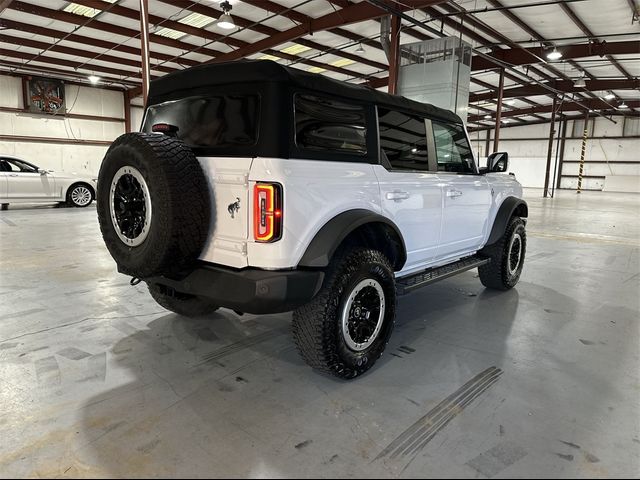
467	195
25	182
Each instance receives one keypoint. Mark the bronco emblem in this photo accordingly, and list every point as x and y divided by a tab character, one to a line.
234	207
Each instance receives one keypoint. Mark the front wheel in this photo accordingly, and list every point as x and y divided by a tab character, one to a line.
507	258
181	303
80	195
345	328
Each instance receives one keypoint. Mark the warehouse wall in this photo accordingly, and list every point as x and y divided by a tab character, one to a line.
63	143
607	153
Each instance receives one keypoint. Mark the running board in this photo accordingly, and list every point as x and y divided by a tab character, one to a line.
431	275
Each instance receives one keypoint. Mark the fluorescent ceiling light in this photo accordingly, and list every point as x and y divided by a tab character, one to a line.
342	62
317	70
295	49
197	20
170	33
82	10
94	79
269	57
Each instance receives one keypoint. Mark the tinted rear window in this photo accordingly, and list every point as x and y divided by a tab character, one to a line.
324	124
210	121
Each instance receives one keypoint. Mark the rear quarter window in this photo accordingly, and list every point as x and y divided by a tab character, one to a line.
210	121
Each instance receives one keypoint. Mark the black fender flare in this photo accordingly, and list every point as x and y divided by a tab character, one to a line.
332	234
505	212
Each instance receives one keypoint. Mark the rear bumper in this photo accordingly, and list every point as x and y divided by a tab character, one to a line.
249	290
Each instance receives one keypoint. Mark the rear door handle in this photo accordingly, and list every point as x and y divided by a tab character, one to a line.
454	193
13	174
397	195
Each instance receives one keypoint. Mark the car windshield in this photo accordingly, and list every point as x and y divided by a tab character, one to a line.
209	121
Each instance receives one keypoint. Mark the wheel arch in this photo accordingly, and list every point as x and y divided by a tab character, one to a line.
356	227
510	206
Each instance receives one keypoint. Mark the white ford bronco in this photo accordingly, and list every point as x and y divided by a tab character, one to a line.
264	189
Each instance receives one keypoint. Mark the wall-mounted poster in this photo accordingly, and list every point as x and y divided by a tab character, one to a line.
45	95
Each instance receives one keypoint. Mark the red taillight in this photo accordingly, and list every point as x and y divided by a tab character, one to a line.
267	212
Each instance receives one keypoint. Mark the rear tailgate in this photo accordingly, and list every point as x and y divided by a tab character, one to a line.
228	180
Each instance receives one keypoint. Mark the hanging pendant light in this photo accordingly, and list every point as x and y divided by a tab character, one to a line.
225	20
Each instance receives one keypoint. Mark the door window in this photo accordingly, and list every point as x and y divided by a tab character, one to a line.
403	140
452	149
15	165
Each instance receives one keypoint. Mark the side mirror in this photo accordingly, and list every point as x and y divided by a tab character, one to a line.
42	172
498	162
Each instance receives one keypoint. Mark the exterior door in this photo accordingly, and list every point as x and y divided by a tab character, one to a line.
467	195
411	194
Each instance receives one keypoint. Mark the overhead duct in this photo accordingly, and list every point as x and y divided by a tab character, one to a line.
437	71
385	34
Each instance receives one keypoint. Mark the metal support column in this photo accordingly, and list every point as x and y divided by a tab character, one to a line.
496	135
144	44
584	149
561	157
127	111
552	132
487	144
394	60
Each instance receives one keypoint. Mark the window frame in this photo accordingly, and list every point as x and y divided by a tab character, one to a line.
475	171
431	162
371	140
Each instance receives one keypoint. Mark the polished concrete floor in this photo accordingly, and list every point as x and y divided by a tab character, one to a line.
541	381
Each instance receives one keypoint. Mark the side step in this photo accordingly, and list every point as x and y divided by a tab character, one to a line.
431	275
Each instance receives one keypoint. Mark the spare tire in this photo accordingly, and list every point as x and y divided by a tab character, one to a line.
153	204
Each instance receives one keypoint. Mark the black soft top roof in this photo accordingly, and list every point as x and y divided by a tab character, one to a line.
252	71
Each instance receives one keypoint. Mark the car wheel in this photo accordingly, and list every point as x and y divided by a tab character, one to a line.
507	258
80	195
345	328
181	303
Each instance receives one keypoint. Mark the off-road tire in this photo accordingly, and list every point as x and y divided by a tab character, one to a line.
180	204
181	303
317	329
496	274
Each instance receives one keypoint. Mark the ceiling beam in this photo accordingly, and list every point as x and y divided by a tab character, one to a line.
206	34
77	52
563	85
88	41
580	24
4	4
527	56
266	30
593	104
353	13
69	63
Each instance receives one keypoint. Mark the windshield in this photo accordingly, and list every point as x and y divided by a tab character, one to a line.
211	120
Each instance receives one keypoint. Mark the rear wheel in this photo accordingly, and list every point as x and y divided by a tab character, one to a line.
181	303
507	258
80	195
345	328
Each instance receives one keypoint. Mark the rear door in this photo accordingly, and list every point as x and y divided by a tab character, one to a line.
4	169
411	195
467	195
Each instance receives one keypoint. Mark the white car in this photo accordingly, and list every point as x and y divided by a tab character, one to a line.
265	189
23	182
